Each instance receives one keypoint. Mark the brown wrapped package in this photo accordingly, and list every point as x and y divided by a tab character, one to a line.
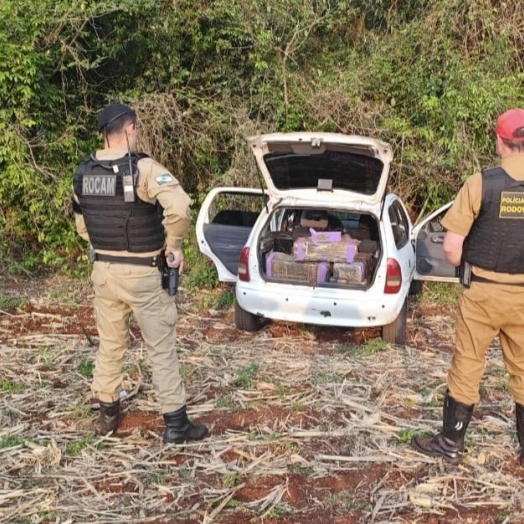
356	272
345	250
283	266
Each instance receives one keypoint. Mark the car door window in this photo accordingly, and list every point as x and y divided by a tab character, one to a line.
399	224
236	209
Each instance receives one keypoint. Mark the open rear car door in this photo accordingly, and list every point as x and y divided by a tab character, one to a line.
224	224
428	237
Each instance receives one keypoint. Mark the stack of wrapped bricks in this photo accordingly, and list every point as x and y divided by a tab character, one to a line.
325	256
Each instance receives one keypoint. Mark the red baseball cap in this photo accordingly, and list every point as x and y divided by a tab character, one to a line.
510	125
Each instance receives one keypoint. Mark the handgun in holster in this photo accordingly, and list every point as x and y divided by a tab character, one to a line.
172	281
464	273
169	275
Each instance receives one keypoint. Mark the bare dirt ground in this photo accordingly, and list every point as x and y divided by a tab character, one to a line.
308	425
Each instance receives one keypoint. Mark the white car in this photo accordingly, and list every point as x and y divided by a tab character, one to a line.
323	242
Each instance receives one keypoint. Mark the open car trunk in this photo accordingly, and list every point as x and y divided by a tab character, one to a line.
320	247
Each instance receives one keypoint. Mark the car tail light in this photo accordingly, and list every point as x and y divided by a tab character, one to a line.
393	277
243	265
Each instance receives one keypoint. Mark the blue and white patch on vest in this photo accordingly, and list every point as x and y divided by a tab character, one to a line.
163	179
99	185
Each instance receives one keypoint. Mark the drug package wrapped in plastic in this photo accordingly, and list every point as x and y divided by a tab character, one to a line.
356	272
283	266
311	249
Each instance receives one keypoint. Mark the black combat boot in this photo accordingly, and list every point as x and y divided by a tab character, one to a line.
180	429
109	417
449	443
519	412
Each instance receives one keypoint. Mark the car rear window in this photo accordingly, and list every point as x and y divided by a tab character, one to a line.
348	171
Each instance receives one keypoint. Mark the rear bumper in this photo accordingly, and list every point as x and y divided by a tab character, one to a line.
320	306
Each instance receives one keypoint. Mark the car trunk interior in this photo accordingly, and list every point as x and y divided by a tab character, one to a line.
320	247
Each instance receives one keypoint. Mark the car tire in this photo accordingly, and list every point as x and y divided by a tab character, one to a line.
246	321
395	333
415	287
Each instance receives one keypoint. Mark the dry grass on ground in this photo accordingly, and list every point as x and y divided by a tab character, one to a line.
307	425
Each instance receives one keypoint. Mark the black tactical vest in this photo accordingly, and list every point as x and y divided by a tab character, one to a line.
496	240
112	223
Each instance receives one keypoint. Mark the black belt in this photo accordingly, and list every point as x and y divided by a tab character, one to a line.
475	278
136	261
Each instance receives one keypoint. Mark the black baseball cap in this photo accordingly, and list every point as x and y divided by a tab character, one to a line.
111	113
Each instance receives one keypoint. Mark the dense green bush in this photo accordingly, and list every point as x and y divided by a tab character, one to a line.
429	77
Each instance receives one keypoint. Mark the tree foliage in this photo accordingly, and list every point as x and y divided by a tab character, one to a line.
429	77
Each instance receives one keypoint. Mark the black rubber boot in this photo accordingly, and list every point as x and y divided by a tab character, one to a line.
180	429
109	417
519	412
449	443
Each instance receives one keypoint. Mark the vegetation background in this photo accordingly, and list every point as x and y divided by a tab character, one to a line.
428	77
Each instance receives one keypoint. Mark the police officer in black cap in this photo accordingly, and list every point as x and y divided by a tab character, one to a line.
133	211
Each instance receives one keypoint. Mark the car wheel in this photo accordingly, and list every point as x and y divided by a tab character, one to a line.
395	333
246	321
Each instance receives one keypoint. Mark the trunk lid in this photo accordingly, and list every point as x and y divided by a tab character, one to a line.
324	167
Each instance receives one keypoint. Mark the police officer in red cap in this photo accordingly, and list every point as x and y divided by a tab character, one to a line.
485	231
135	214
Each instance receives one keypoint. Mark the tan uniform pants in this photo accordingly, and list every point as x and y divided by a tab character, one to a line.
484	311
120	290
